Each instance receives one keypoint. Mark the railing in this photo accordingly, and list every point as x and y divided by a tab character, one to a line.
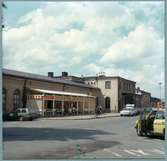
70	112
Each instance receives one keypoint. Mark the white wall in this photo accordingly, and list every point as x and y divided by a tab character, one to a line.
111	93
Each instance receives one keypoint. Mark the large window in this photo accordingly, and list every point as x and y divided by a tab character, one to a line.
4	99
107	84
16	99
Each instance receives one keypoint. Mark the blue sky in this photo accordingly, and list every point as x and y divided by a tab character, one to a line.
85	38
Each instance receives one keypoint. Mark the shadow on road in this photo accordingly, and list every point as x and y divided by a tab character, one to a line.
154	137
32	134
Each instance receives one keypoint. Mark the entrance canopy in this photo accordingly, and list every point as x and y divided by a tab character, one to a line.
50	100
61	93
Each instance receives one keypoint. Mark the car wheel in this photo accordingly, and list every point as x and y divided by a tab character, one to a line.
163	136
30	119
21	118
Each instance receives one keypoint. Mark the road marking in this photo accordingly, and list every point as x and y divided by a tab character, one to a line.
116	154
140	152
157	151
131	152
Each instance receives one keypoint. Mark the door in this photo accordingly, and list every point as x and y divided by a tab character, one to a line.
159	122
107	102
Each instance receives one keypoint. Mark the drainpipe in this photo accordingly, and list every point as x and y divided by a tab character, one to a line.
24	95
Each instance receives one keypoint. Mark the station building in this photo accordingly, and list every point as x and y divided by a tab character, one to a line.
65	94
47	94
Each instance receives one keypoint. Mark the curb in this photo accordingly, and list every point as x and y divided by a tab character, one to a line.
89	118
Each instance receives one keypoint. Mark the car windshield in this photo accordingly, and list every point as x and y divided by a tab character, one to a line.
160	115
24	111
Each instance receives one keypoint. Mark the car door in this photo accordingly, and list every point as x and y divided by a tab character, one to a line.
159	122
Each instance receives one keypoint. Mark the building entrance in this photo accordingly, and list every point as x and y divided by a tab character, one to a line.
107	104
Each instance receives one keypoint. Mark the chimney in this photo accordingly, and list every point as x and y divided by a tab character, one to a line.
64	74
50	74
102	74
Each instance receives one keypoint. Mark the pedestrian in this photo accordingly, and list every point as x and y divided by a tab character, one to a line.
100	109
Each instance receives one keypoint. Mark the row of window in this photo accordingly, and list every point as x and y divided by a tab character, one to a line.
16	99
107	84
91	83
127	86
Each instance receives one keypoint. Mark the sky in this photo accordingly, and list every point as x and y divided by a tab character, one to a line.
85	38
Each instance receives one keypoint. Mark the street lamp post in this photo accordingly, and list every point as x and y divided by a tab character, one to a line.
160	83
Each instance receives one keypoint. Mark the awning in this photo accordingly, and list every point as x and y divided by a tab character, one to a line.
61	92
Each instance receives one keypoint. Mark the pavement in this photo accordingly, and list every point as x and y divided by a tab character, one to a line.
110	137
82	117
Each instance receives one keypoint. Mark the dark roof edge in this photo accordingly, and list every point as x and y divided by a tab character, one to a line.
32	76
105	77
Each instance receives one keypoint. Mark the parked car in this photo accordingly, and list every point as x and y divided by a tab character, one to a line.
129	106
151	122
27	114
128	112
11	116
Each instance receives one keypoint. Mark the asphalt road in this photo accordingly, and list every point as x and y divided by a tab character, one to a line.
113	137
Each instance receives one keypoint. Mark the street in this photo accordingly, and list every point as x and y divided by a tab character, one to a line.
113	137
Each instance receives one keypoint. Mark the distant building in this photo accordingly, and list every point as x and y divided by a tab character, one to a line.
116	91
154	101
145	99
157	103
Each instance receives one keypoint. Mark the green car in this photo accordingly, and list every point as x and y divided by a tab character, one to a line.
27	114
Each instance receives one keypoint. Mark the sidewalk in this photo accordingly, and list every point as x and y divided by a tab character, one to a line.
83	117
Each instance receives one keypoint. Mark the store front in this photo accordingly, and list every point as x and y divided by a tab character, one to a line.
59	103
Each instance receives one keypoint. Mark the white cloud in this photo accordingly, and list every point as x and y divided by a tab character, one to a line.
88	38
140	43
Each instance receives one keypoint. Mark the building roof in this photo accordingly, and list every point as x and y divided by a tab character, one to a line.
142	91
155	98
106	77
26	75
72	78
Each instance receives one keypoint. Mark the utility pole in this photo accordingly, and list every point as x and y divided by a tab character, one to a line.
160	83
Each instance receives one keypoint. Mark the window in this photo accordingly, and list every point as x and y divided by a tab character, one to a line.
16	99
160	115
108	84
4	99
124	85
